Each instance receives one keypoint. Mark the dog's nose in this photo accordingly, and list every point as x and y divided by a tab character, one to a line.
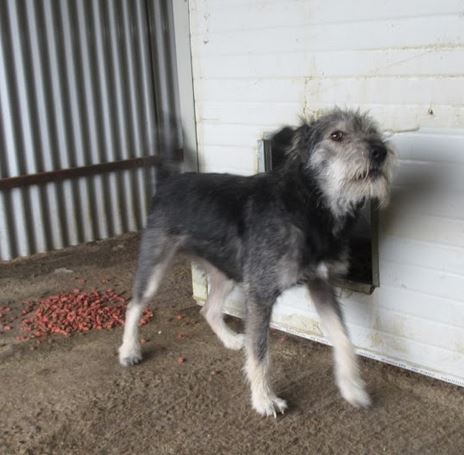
378	153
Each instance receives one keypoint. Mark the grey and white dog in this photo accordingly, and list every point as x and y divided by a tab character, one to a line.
267	233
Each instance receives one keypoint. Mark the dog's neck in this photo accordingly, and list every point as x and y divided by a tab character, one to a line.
306	197
345	213
342	206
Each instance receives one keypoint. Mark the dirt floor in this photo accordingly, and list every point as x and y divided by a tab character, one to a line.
69	395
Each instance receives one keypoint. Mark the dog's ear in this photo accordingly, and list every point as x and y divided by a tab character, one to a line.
283	138
305	139
281	143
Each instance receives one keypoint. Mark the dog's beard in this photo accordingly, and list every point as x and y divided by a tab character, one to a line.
346	184
376	188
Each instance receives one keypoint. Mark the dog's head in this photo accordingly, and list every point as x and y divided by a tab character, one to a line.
346	153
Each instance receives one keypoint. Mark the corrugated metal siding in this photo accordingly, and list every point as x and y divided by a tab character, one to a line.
81	83
260	64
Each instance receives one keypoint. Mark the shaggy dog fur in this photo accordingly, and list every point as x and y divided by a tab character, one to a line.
267	233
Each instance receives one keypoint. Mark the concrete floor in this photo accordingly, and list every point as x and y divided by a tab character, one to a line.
69	395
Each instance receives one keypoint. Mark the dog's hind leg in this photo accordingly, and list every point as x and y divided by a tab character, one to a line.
347	375
220	287
257	366
156	253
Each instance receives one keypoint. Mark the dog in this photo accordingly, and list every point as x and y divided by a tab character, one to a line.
267	233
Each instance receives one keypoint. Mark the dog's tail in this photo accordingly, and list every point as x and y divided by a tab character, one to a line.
166	168
172	156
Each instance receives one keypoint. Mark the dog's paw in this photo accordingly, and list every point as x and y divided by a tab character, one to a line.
235	342
130	355
269	405
354	392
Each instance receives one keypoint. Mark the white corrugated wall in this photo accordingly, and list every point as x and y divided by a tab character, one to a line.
260	64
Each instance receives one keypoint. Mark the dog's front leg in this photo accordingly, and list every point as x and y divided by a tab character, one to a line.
347	375
264	400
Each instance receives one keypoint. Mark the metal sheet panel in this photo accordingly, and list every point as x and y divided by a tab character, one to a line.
81	83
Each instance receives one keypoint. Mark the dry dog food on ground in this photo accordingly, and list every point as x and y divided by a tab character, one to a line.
76	311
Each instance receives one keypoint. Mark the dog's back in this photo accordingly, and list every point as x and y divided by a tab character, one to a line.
207	212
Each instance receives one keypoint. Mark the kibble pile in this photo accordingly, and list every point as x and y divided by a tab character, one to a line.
73	312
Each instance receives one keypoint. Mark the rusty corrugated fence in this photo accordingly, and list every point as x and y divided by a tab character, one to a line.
81	83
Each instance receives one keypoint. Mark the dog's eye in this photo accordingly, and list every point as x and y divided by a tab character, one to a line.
337	136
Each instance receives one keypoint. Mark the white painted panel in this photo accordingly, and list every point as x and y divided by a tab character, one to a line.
227	89
209	17
336	11
422	279
260	64
285	65
389	33
385	90
438	61
412	32
408	302
429	176
425	254
246	113
221	134
400	117
398	62
233	159
418	329
432	149
443	203
233	16
426	228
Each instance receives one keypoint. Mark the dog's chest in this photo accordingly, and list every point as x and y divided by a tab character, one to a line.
322	248
323	240
309	263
